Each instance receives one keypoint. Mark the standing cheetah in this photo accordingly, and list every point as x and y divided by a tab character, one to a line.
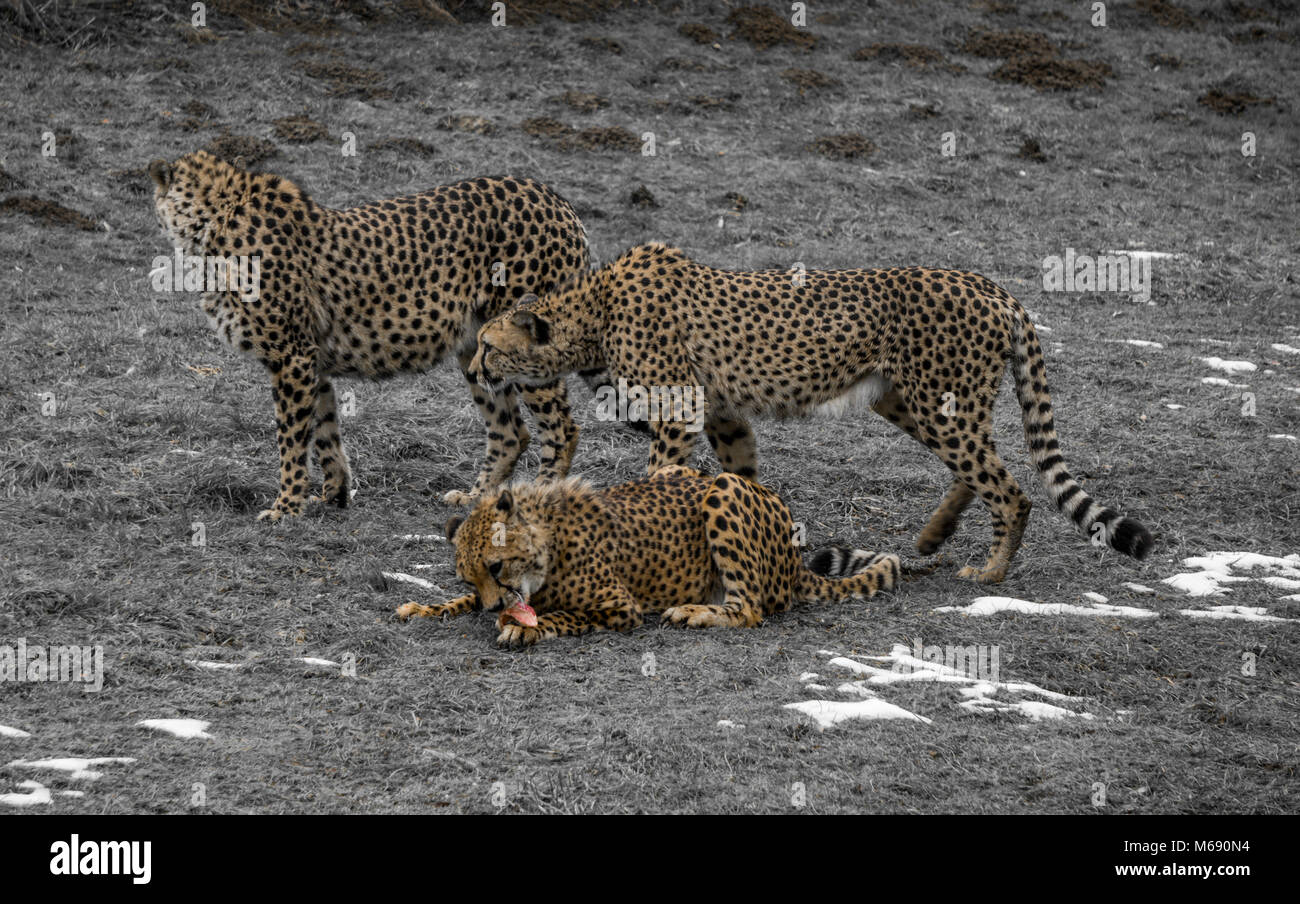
926	349
385	288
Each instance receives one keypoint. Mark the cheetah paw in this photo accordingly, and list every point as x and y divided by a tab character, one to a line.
980	576
408	610
459	497
518	636
691	616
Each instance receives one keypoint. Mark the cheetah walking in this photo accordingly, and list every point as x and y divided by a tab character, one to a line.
925	349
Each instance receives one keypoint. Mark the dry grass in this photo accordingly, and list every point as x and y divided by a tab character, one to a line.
97	502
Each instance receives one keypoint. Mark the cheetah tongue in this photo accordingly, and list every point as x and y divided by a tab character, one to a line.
521	612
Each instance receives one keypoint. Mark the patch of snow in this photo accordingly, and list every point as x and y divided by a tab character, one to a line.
1174	407
1246	561
418	537
312	660
1095	597
78	767
829	713
7	732
1229	367
1286	436
808	676
992	605
181	728
1242	613
72	794
1288	349
1219	381
1148	255
816	687
213	665
404	578
727	723
858	688
1034	709
1137	588
1203	583
36	795
1140	343
907	667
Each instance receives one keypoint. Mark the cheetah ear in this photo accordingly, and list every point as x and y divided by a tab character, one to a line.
538	328
505	503
160	173
527	300
453	525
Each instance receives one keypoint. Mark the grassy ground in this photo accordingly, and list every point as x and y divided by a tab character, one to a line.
157	426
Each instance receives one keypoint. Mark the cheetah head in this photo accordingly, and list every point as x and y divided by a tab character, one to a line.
538	341
503	554
188	195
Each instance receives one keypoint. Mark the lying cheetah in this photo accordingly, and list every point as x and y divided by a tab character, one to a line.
373	291
563	558
924	348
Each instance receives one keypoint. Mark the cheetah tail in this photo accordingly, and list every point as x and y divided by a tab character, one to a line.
845	562
1091	517
868	574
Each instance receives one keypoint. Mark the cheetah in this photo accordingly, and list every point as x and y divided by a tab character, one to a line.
373	291
924	348
563	558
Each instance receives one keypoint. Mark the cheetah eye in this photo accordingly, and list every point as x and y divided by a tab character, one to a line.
494	569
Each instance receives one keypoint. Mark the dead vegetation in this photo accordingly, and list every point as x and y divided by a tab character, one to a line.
300	129
243	150
807	79
344	80
1232	103
47	213
765	28
595	138
1048	74
847	146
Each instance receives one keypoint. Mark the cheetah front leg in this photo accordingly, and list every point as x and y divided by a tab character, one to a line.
337	487
459	606
550	408
507	437
672	445
294	387
618	610
737	610
733	443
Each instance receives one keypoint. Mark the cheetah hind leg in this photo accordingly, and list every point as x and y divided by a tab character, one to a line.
743	571
943	523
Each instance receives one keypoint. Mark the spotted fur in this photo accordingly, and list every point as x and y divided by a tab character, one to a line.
703	551
373	291
924	348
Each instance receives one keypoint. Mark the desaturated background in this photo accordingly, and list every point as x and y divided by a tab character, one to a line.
776	144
